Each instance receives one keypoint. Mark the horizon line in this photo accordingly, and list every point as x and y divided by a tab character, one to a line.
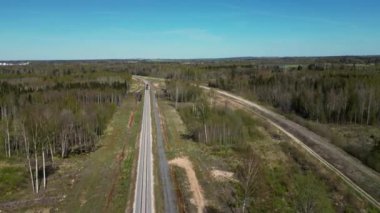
191	59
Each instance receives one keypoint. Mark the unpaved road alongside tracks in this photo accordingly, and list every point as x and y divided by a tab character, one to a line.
363	179
167	189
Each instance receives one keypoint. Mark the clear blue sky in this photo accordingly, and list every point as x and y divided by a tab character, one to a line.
94	29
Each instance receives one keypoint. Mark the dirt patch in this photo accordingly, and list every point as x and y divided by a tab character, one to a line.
6	164
39	210
109	130
116	173
220	175
195	188
131	118
82	198
12	205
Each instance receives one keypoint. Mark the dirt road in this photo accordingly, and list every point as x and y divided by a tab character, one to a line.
360	177
170	200
195	188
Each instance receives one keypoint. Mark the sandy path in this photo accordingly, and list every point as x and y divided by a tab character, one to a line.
195	188
220	175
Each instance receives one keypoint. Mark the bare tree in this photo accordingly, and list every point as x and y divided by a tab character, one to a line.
176	95
369	106
8	141
247	175
27	153
204	114
43	166
36	161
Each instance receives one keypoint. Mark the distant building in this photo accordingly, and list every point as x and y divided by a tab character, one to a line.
14	64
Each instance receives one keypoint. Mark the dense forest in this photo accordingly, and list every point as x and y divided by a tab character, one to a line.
328	96
50	111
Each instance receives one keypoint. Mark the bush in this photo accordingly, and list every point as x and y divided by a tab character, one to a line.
311	194
373	159
213	125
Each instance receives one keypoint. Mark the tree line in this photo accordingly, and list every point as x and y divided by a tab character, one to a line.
328	97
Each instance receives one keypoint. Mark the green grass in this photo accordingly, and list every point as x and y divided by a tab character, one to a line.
102	184
357	140
11	179
123	187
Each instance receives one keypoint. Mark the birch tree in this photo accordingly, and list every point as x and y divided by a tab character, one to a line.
247	175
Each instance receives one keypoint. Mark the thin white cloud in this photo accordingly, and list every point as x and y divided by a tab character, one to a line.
193	34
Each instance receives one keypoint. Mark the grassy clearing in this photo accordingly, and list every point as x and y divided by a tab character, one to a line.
11	179
363	142
123	186
360	141
102	181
